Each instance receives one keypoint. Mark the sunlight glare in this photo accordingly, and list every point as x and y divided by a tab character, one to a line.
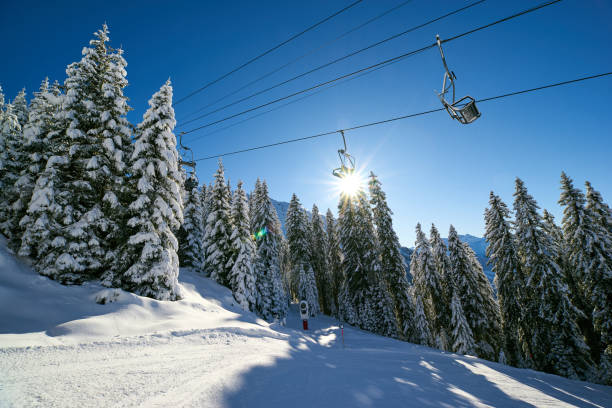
351	184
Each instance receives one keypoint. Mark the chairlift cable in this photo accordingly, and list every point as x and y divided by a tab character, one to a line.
265	53
405	55
412	115
288	103
310	52
327	64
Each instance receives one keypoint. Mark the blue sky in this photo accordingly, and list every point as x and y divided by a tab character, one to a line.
432	168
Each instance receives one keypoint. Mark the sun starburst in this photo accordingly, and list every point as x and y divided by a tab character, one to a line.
350	184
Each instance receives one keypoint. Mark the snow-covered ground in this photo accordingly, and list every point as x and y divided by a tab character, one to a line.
59	348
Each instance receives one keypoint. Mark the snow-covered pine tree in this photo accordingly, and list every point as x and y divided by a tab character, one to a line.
318	260
421	323
378	293
501	251
556	342
20	108
334	262
157	210
346	311
218	230
559	246
253	199
3	150
202	197
207	202
602	297
463	339
441	263
95	176
600	210
205	227
271	297
11	165
298	239
50	209
2	146
242	275
365	288
589	249
427	283
353	297
285	270
476	296
191	234
117	151
488	339
43	107
393	268
1	102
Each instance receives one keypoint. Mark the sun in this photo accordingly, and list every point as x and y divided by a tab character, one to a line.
350	184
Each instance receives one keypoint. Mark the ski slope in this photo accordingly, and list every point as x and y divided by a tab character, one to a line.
59	348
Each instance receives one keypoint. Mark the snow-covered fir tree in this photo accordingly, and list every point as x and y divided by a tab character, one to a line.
572	258
589	248
600	210
93	176
242	275
463	339
207	201
421	323
559	246
11	165
202	195
20	108
253	198
1	102
441	263
393	268
602	315
556	343
379	299
318	260
43	107
370	303
489	339
157	209
422	269
217	240
476	296
503	258
285	270
191	233
50	209
2	141
298	239
205	227
271	302
334	261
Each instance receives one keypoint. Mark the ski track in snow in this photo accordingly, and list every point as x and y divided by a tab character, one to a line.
58	348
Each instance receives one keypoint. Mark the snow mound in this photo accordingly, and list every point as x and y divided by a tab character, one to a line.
91	346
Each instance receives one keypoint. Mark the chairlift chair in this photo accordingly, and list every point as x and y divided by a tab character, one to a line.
185	149
347	162
464	109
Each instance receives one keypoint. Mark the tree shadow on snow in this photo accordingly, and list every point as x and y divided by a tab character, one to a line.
371	372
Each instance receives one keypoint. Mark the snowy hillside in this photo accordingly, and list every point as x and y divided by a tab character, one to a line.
58	347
